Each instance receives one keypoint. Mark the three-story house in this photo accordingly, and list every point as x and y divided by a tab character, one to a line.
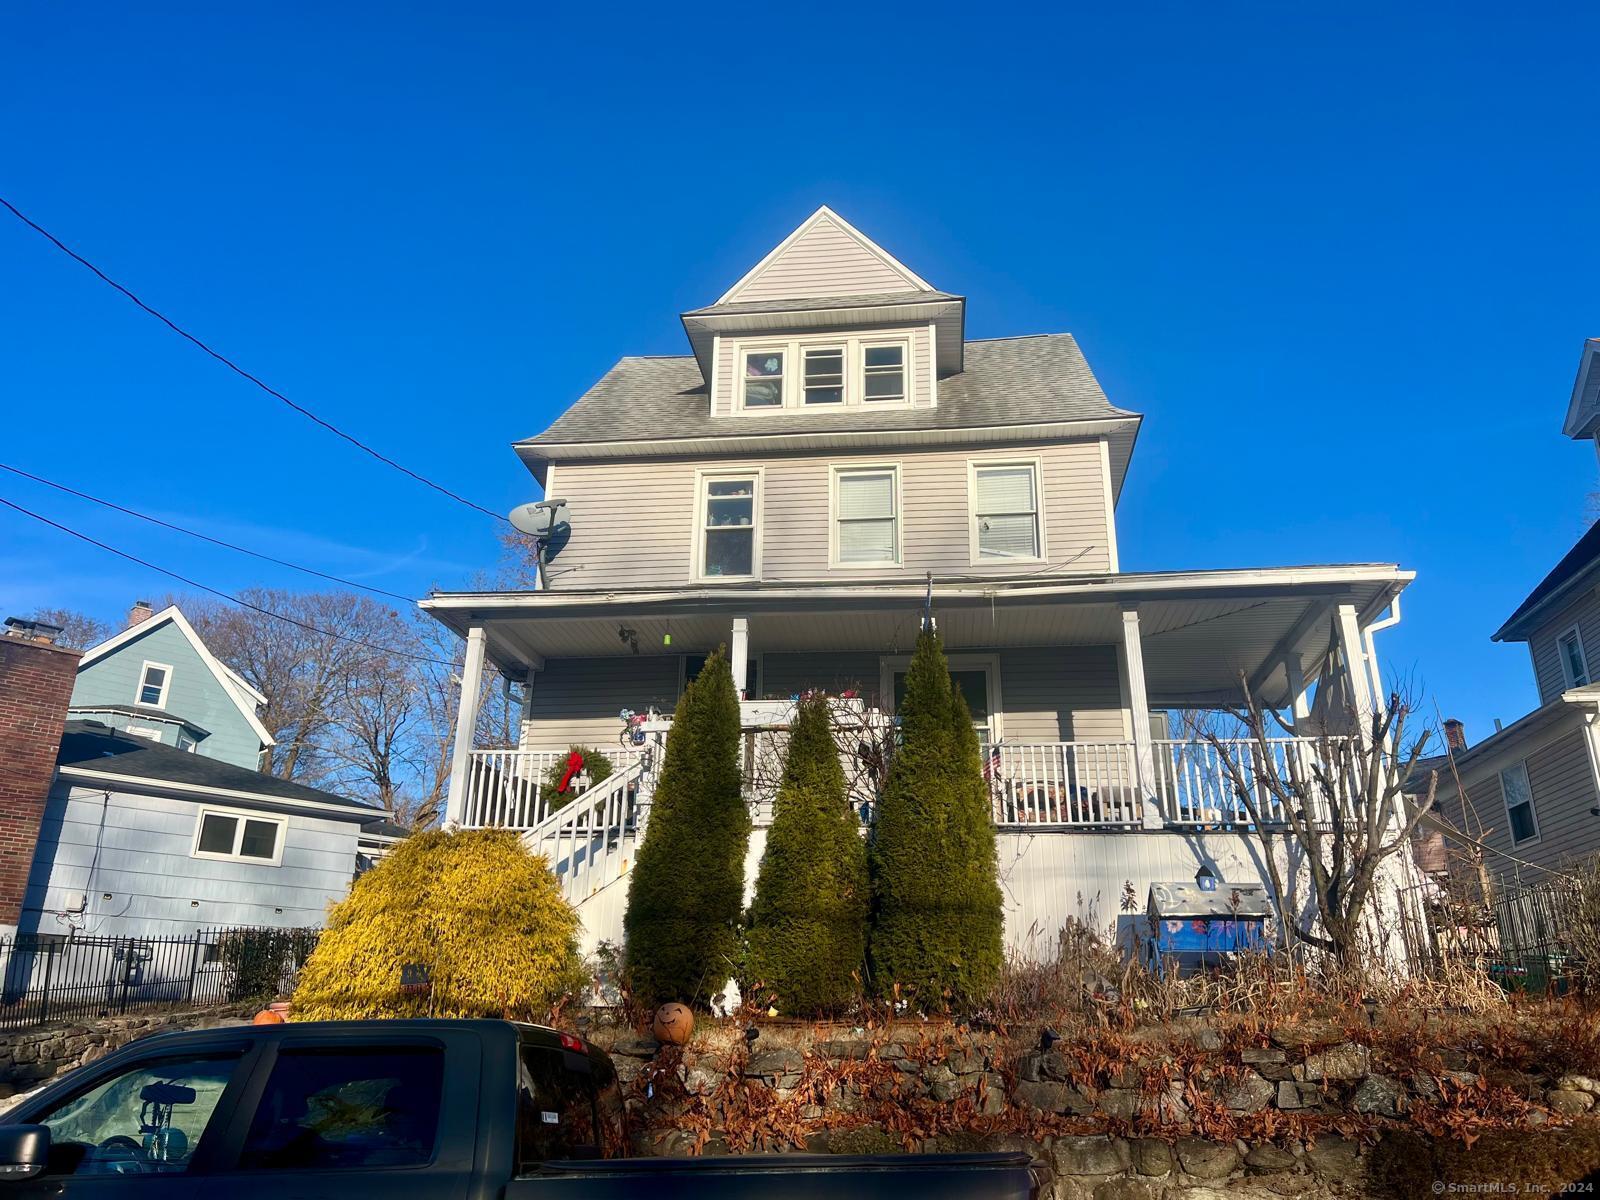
832	458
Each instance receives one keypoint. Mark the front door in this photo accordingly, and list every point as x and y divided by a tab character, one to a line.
978	677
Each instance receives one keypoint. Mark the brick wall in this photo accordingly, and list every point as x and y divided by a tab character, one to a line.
36	680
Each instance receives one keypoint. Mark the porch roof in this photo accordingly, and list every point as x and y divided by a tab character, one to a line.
1200	629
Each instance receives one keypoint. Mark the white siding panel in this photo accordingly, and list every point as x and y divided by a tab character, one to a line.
824	261
633	521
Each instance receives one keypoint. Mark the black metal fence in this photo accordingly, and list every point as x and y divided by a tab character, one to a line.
51	977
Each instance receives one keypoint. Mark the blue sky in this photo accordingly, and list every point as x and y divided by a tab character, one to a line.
1342	257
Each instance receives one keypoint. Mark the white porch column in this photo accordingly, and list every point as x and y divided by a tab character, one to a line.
1358	679
1299	697
739	654
466	726
1144	757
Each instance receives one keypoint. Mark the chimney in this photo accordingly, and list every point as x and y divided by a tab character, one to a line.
1455	735
140	613
36	678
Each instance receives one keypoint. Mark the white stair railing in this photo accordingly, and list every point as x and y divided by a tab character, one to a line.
588	840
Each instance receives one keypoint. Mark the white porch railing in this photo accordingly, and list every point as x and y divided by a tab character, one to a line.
506	788
1063	785
588	841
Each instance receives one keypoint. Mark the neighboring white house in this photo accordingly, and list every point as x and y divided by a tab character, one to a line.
832	452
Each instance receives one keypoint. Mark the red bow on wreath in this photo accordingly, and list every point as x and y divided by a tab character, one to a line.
574	765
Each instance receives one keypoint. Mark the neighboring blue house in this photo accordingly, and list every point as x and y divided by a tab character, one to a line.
158	680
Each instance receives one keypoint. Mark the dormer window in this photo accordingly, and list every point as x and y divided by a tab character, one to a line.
883	372
763	379
824	383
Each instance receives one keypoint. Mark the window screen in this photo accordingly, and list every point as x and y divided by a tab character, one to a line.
868	522
1006	511
347	1108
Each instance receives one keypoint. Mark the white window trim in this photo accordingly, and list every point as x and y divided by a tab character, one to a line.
741	351
1566	670
1505	802
704	475
243	815
166	684
840	346
834	471
889	664
973	466
854	347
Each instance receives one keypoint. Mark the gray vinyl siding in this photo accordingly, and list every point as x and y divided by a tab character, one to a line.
1049	694
633	521
194	694
577	701
1584	612
1562	782
725	401
825	261
136	849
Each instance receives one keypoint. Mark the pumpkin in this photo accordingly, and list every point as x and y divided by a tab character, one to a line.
673	1024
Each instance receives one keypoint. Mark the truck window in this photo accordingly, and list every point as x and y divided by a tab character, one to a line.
146	1120
556	1112
347	1108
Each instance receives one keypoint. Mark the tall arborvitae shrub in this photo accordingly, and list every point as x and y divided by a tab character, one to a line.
686	891
808	924
937	921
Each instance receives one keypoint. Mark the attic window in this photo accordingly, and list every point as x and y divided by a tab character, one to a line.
155	679
1574	666
824	376
763	379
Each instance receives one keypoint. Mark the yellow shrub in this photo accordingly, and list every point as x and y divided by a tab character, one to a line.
473	914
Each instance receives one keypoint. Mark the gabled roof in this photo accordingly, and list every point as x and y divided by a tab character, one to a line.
824	248
1583	411
94	752
244	697
1575	566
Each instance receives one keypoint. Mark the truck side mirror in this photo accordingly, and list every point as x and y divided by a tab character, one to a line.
24	1151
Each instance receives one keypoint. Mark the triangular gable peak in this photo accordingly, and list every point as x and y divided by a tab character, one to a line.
825	256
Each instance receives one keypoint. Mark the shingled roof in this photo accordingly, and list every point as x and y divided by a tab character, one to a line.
1574	563
1021	381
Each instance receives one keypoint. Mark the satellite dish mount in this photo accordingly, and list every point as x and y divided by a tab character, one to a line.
543	522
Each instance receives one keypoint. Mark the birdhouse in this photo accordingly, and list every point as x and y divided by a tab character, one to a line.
1201	924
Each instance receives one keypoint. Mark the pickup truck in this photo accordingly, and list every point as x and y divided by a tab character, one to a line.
444	1109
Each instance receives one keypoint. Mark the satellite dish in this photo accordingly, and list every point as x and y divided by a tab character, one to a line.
537	520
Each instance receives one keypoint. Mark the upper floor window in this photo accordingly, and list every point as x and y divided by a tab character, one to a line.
1005	511
1518	795
1574	667
728	542
154	681
763	379
246	837
824	383
866	502
883	372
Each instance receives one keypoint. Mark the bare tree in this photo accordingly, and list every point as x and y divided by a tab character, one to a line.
78	630
1345	805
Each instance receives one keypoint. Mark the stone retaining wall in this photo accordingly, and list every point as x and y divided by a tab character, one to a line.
32	1057
1185	1118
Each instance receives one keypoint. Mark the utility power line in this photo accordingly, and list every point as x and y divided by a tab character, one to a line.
222	595
293	566
238	370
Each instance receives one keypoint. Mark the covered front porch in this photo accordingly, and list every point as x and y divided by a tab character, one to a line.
1073	681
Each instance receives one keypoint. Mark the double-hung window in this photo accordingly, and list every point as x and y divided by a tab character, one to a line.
824	375
1574	666
1518	795
728	542
763	378
245	837
883	372
1005	511
866	511
154	681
